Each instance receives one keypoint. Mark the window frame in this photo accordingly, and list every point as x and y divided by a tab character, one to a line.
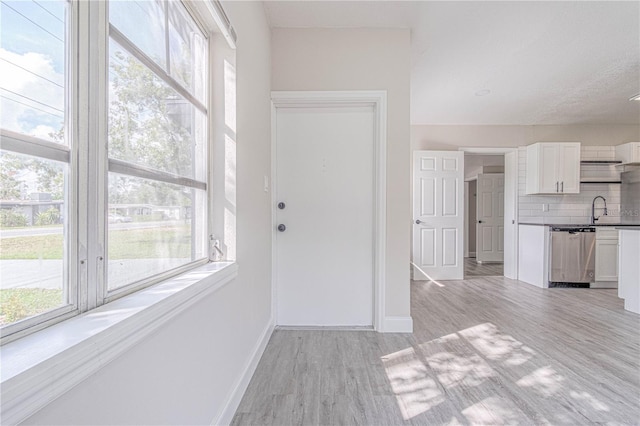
86	186
18	143
134	170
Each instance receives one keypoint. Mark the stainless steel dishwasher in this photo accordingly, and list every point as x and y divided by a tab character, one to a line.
572	256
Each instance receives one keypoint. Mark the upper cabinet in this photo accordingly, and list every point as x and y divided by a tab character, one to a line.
628	153
553	168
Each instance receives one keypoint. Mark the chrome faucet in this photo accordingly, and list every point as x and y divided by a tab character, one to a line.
593	209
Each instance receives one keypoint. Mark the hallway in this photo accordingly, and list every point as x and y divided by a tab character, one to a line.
475	269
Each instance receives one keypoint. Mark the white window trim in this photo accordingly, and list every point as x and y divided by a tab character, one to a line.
32	367
86	122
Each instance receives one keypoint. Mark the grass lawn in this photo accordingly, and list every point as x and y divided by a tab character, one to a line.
169	241
19	303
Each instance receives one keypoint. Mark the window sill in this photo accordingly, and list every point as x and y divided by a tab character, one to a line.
40	367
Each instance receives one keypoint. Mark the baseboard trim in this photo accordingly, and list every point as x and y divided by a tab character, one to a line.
233	401
398	325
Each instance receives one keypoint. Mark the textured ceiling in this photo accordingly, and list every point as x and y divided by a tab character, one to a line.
541	62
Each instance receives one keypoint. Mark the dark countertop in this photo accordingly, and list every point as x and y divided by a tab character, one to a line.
582	225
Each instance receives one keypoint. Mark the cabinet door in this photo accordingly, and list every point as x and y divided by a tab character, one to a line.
548	165
569	170
635	152
607	260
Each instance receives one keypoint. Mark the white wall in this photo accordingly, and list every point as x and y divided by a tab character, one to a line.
362	59
440	137
184	374
475	164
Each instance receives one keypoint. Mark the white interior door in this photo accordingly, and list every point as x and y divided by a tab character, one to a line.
325	178
490	216
438	215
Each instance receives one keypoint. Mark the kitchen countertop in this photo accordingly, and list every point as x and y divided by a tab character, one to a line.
629	227
581	225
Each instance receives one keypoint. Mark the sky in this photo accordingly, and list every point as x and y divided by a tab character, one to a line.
32	56
32	65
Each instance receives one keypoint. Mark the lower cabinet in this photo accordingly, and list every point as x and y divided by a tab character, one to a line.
606	267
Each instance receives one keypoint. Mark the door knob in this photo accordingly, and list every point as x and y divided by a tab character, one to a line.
479	221
418	221
281	228
281	205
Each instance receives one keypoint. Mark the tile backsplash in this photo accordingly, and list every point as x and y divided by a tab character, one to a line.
573	208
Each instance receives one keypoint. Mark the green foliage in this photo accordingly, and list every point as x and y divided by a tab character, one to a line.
12	218
49	217
19	303
147	126
49	176
9	185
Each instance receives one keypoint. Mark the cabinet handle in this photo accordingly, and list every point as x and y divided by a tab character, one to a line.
562	187
556	186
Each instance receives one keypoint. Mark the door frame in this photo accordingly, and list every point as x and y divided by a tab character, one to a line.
338	99
512	245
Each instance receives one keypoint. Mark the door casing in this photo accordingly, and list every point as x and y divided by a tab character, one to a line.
337	99
510	205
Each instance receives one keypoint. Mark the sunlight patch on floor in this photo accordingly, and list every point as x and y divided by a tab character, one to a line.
497	346
431	280
472	358
590	399
491	411
545	381
415	391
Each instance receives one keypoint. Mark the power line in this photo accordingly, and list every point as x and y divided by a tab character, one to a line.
32	100
33	22
29	71
48	11
32	107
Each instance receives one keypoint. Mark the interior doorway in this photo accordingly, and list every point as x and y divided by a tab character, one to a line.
484	234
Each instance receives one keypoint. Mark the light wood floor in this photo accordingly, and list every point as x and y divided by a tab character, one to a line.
485	351
475	269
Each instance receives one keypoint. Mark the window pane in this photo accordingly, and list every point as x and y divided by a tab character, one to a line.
151	229
150	124
142	22
32	66
32	242
188	55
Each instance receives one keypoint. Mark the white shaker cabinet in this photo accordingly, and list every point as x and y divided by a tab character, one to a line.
629	283
628	153
553	168
606	258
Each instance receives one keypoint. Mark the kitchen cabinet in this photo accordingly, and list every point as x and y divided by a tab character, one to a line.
629	285
606	267
553	168
628	153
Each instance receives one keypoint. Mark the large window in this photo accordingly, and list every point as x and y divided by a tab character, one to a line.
35	227
157	140
103	153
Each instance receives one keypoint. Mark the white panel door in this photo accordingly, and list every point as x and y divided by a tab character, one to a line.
438	215
490	216
324	177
